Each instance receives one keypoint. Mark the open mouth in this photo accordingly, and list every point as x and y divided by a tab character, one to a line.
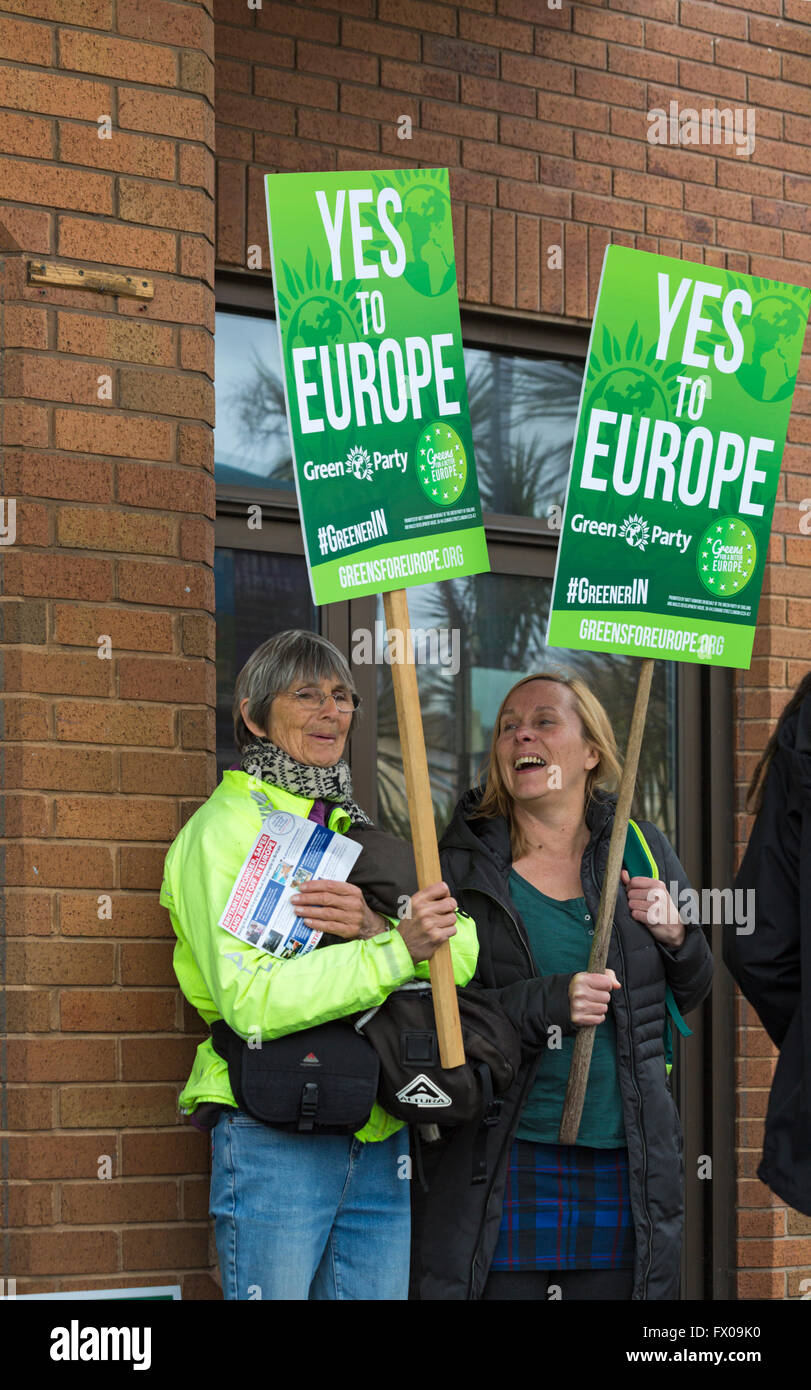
522	763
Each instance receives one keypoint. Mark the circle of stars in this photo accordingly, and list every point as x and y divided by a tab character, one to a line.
443	490
730	531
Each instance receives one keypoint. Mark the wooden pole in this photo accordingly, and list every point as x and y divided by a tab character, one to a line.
423	829
583	1043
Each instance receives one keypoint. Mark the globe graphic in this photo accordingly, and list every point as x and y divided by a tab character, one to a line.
634	531
765	373
319	320
426	230
628	391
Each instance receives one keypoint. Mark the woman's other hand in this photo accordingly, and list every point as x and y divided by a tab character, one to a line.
651	904
326	904
429	920
589	996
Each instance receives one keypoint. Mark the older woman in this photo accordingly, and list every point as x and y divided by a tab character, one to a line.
298	1215
600	1218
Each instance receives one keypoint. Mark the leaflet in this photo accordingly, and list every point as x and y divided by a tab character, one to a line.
287	852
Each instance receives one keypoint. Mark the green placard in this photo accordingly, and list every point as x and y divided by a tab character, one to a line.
680	432
368	316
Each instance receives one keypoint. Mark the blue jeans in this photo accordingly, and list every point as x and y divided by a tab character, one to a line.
300	1216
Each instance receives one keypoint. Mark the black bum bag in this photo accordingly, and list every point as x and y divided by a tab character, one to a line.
325	1080
414	1085
322	1080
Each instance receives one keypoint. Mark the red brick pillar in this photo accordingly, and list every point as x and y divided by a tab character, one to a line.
108	595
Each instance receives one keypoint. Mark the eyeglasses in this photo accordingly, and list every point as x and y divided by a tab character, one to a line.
311	699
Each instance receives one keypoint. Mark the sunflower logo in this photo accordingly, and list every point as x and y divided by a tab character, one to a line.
359	463
636	531
315	310
628	379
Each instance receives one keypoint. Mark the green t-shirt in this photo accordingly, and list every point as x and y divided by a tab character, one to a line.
560	939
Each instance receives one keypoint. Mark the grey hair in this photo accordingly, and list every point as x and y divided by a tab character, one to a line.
290	656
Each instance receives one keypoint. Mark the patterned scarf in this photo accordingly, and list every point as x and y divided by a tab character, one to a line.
264	759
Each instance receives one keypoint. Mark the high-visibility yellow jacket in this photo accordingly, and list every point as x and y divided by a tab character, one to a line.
255	992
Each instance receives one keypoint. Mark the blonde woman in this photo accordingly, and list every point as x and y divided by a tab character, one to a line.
526	856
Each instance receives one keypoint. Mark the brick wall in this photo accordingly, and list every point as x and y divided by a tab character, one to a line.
107	409
540	115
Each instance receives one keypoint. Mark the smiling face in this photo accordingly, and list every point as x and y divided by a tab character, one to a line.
309	734
539	729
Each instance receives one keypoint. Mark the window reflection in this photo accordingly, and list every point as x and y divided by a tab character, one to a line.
257	593
523	411
251	438
501	621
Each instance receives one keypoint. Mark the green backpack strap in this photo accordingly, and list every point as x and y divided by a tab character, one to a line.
675	1014
639	862
637	856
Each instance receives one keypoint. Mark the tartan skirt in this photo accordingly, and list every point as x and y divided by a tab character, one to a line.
566	1206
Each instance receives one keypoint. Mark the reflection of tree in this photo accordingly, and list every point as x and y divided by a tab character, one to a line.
613	680
260	415
522	414
445	705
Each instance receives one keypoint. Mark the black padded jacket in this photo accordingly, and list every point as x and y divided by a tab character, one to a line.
772	963
456	1223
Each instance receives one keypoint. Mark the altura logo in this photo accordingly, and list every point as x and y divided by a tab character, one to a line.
424	1092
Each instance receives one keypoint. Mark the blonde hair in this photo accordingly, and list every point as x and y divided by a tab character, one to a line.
596	726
